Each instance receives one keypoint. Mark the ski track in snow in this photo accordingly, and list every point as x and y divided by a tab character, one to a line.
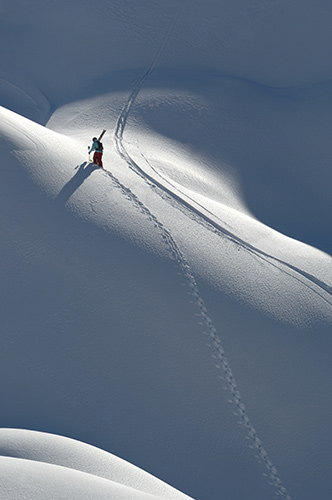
203	215
203	316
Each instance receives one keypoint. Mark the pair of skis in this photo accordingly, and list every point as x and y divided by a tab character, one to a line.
101	135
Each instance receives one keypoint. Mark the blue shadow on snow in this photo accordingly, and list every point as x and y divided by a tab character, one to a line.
83	172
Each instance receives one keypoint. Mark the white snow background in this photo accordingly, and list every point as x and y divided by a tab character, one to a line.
174	309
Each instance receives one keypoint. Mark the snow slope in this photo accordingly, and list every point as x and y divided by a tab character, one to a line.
210	225
101	475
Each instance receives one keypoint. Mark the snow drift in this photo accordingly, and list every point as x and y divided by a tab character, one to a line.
76	469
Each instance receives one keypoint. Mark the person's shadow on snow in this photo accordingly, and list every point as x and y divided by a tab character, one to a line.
83	172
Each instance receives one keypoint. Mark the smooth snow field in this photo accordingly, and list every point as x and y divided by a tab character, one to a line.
166	322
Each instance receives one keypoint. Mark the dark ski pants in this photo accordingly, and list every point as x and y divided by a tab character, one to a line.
97	159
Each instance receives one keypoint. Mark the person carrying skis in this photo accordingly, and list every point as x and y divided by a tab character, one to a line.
97	147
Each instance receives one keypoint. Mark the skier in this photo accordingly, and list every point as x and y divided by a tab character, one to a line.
97	147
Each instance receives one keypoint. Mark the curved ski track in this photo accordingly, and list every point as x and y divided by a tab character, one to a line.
320	288
218	351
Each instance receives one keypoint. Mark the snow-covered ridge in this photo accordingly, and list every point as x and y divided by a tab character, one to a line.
64	453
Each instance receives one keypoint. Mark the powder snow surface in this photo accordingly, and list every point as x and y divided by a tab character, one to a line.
175	308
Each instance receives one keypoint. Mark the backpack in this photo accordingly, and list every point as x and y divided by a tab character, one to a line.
99	147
